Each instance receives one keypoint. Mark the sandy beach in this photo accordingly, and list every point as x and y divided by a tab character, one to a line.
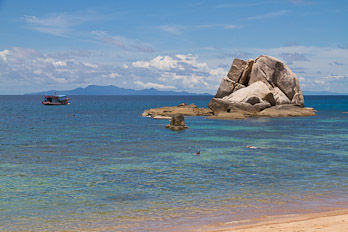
332	221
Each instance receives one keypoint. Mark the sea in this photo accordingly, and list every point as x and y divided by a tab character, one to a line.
98	165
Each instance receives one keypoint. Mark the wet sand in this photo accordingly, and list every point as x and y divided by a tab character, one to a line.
332	221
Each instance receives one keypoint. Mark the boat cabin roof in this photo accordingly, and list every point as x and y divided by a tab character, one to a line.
55	96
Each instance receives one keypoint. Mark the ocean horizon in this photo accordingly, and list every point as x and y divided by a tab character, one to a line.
97	163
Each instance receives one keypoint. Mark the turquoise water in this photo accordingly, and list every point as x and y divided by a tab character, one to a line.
98	164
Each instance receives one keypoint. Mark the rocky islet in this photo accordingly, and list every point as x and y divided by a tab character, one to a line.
264	87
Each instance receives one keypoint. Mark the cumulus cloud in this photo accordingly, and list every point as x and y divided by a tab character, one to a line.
148	85
332	76
183	71
59	63
318	68
114	75
160	62
29	67
26	66
3	55
178	62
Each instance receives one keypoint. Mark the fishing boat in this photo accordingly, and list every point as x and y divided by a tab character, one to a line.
56	100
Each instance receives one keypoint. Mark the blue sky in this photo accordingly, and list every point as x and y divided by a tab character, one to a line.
169	45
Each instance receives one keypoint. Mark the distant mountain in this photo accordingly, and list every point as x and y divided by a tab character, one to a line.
321	93
112	90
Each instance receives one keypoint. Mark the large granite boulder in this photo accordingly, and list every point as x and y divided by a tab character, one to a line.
256	85
280	97
226	87
236	69
257	89
275	73
218	105
244	79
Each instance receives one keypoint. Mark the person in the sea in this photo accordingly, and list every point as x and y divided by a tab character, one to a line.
198	152
251	147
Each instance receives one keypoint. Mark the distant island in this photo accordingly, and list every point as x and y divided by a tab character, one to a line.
112	90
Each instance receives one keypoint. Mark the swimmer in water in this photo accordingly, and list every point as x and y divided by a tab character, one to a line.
198	152
251	147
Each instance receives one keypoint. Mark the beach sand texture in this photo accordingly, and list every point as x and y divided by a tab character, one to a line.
333	221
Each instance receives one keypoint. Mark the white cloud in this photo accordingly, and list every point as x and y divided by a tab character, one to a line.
335	77
290	57
218	72
114	75
60	24
3	55
192	60
90	65
231	26
240	5
159	62
28	67
184	72
268	15
59	64
153	85
179	29
175	30
320	82
189	81
123	43
177	62
218	26
302	79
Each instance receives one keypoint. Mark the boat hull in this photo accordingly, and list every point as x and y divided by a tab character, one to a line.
55	103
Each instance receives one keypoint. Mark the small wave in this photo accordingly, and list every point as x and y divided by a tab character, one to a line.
237	222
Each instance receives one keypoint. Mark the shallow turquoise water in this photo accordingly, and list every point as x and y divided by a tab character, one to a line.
106	166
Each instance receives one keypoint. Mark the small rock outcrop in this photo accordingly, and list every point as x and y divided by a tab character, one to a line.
177	123
259	87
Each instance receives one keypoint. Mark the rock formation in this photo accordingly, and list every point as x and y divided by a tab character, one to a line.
177	123
264	87
259	88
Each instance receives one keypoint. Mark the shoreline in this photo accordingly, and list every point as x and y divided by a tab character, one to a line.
328	221
331	220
